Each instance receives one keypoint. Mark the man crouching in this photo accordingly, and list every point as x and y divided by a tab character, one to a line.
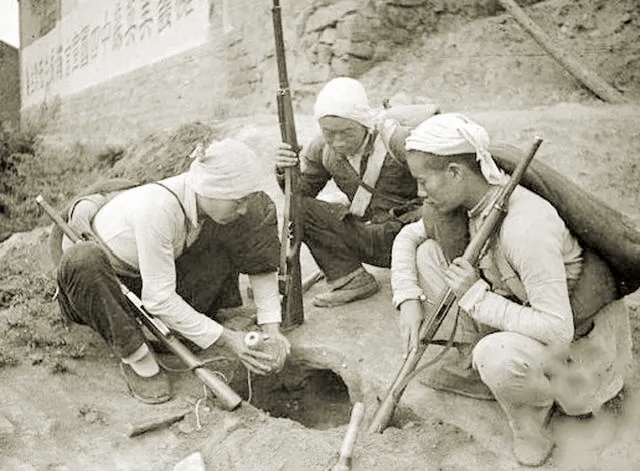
517	337
179	244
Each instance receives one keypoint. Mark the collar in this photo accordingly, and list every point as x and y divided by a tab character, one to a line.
482	207
364	147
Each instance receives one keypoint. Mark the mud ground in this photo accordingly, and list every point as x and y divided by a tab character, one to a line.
64	406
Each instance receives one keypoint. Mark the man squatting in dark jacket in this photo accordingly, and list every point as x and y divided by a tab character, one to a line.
363	152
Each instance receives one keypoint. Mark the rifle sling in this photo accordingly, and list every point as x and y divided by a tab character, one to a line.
450	343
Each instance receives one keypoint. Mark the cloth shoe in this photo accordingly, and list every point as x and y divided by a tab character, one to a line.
532	443
359	285
155	389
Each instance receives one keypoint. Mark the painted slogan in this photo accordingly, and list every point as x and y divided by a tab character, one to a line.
99	40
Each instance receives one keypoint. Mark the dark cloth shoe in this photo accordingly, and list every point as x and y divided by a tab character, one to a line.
153	390
361	286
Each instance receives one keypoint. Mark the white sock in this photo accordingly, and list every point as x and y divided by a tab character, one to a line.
143	362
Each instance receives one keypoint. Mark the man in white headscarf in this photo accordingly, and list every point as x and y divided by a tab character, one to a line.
362	150
516	338
179	244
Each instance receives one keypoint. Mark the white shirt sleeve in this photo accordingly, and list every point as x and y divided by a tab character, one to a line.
154	235
404	271
266	297
533	246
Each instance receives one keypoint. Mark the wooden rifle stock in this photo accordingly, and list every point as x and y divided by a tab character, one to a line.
227	396
290	274
430	325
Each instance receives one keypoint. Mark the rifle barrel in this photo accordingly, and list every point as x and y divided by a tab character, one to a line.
289	275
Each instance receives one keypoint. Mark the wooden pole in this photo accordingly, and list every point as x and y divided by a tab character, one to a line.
146	425
589	79
349	440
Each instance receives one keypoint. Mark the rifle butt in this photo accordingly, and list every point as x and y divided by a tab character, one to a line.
228	398
384	414
292	304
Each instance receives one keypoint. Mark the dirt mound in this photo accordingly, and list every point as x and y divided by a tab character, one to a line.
493	63
158	156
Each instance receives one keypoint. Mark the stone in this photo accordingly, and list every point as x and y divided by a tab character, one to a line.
355	27
328	36
350	66
324	53
193	462
329	15
360	49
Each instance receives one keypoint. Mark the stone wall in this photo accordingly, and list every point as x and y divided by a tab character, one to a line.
9	85
214	61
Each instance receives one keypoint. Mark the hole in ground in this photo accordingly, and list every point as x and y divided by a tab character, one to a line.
316	398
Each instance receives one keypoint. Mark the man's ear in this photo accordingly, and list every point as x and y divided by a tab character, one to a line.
456	171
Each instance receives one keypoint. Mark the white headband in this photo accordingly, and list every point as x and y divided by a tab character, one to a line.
227	169
346	98
451	134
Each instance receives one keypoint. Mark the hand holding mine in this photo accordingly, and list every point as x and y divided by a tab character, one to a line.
255	361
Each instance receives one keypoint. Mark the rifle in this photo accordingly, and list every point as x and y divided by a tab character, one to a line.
432	322
227	396
289	274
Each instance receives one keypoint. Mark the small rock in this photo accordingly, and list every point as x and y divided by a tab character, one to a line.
6	427
186	427
231	424
193	462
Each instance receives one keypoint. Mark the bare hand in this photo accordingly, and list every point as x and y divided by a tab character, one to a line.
410	320
273	331
254	360
460	276
285	157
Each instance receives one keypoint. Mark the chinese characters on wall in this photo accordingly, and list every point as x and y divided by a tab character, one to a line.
108	37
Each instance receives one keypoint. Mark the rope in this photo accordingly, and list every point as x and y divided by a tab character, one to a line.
250	386
198	425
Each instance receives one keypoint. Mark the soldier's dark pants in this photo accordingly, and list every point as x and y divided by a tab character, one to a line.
206	275
340	242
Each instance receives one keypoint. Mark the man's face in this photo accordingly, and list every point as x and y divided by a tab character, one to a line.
223	211
344	136
439	188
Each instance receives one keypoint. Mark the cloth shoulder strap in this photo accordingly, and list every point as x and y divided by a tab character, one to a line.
184	211
363	195
508	275
100	189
